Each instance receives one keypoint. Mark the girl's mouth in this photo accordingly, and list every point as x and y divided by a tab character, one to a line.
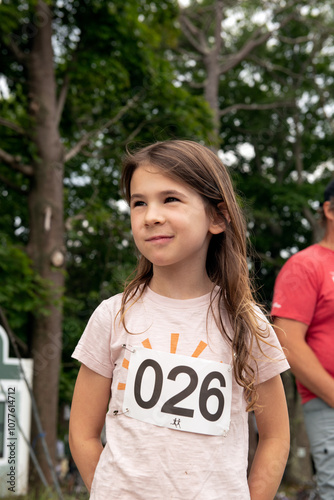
161	238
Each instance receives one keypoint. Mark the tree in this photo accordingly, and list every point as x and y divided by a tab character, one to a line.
44	174
79	88
202	28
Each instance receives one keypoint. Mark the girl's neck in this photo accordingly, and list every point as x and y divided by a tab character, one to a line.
173	286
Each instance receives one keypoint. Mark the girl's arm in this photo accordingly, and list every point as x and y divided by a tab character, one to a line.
88	411
274	440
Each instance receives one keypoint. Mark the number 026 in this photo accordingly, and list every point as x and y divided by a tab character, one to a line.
170	406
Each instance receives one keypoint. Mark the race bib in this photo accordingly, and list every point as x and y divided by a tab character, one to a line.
179	392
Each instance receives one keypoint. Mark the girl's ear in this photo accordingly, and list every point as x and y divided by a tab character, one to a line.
219	219
223	209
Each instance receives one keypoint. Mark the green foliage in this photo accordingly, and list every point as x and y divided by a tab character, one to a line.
22	291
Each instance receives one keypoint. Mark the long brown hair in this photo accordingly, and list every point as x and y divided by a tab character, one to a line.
226	263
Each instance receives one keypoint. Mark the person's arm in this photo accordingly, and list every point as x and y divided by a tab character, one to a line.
302	360
274	440
88	412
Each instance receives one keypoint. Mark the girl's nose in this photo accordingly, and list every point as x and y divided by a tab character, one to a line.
154	215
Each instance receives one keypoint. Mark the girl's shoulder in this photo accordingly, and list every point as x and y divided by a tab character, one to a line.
112	301
114	304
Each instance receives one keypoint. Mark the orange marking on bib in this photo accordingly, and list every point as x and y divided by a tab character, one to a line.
199	349
174	338
146	343
125	363
121	387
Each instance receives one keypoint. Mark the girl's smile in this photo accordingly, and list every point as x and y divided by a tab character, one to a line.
160	239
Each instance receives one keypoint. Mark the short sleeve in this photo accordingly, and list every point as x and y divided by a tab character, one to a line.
93	349
269	355
295	293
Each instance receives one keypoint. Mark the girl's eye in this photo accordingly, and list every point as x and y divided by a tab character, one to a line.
138	203
170	199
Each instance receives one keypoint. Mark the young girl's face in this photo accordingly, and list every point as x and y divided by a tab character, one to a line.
169	220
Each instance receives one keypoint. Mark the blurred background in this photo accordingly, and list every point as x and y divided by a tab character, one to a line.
81	81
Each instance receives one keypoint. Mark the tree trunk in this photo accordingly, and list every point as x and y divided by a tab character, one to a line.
211	63
211	94
46	245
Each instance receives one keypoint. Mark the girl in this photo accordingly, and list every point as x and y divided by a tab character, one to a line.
183	354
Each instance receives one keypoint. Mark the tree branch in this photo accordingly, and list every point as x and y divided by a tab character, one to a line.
15	163
218	13
235	59
294	41
12	126
252	107
272	67
20	56
182	52
196	85
194	35
255	41
136	131
317	229
62	99
89	136
13	186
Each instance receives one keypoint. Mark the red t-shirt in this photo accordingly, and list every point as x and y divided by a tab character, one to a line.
304	291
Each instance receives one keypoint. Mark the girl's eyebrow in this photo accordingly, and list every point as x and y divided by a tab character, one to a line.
168	192
136	195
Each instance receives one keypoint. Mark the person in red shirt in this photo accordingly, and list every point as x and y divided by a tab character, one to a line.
303	314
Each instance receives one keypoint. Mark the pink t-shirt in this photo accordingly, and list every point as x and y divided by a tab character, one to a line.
150	462
304	291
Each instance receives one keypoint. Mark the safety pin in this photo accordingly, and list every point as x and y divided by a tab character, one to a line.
116	412
126	347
